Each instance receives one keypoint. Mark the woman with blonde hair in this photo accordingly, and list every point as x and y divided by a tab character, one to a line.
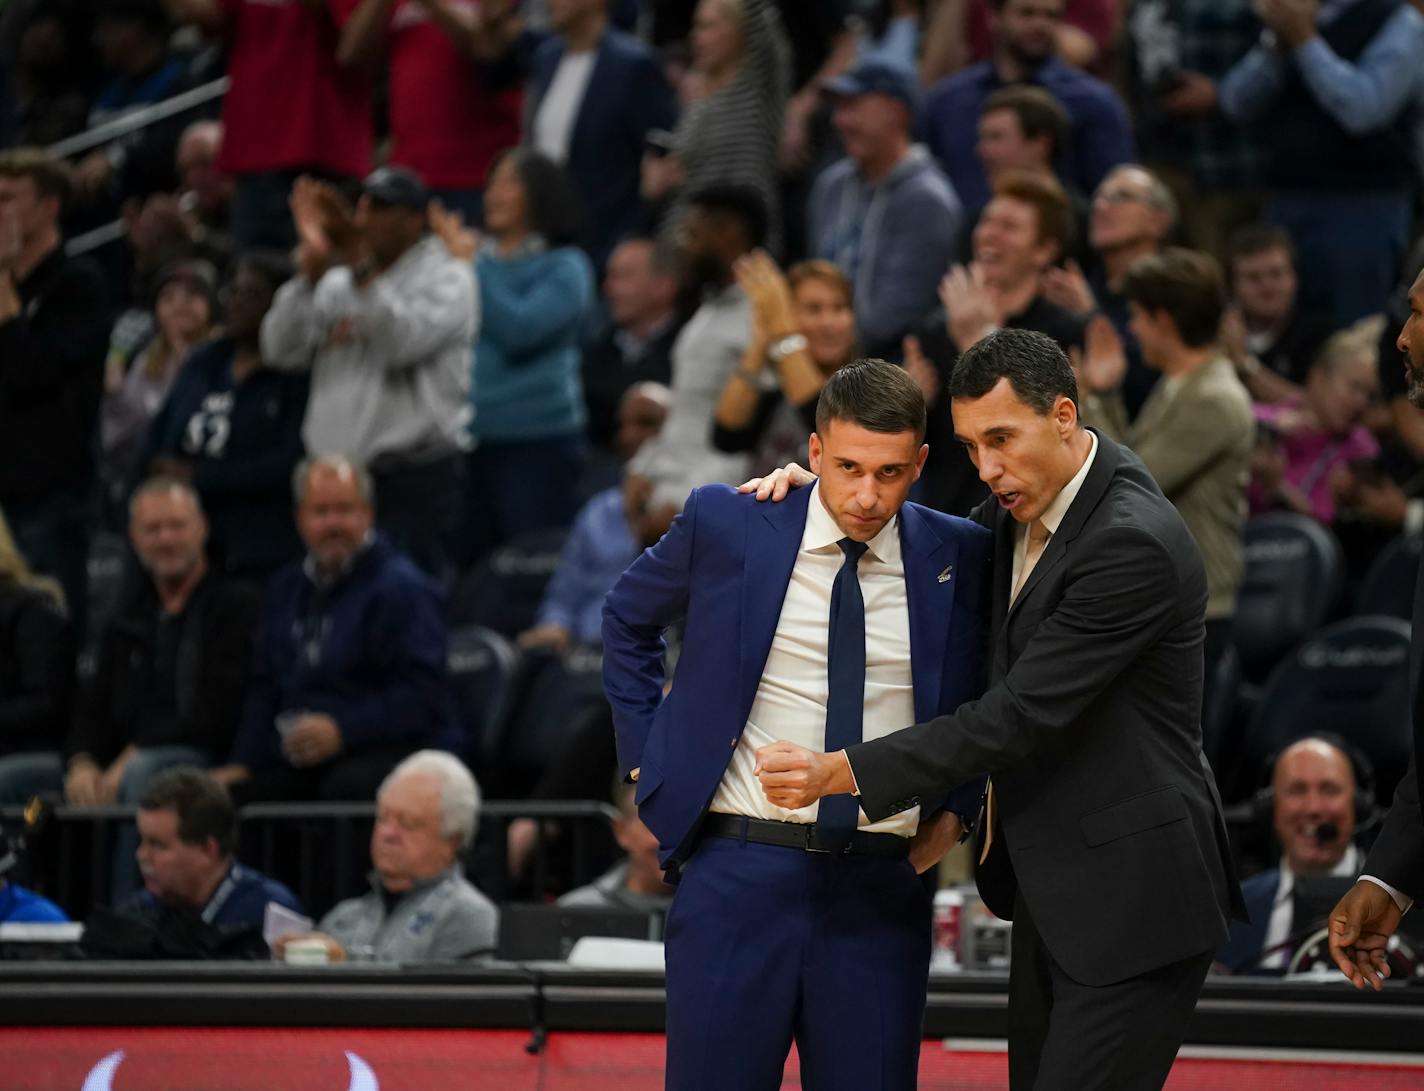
36	657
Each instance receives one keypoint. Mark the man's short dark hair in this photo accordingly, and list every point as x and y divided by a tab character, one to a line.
1256	239
741	203
51	176
203	806
1033	362
1187	285
875	395
551	203
1039	114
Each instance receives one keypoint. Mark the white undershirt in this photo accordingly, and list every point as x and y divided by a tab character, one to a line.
791	698
554	120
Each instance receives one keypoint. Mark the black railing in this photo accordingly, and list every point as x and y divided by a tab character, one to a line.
321	848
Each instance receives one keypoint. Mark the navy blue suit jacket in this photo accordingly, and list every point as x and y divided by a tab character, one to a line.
627	95
1248	938
724	566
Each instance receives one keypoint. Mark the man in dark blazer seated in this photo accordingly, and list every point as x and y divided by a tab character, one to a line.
1362	924
594	95
839	615
1103	839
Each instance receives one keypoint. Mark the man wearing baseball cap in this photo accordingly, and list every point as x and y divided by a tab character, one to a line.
385	318
886	213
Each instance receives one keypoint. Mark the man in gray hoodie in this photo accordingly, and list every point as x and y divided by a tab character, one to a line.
886	213
385	317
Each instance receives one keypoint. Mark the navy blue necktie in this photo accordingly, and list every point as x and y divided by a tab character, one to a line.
845	701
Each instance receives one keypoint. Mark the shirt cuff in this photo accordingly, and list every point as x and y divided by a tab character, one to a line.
854	784
1404	901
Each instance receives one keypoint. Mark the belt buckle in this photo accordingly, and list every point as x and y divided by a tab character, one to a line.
811	845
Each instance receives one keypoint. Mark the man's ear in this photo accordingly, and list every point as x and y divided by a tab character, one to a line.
816	452
1065	414
924	453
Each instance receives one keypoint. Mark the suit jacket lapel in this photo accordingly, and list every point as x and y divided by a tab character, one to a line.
930	580
593	96
774	534
1094	486
1004	530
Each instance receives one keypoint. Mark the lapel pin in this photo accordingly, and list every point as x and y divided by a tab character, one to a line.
944	576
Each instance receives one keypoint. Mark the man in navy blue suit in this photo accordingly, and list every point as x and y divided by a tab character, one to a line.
844	613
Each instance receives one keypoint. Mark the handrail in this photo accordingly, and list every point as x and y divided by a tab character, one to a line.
489	808
112	231
139	119
319	829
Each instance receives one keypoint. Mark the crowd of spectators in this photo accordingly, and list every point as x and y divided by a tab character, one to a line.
435	279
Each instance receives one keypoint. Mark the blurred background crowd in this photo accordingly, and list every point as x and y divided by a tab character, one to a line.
350	349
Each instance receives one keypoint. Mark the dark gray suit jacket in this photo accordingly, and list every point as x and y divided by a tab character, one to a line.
1398	853
1108	821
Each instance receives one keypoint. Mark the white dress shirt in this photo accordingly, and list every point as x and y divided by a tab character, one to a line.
1052	516
1401	899
791	698
559	109
1283	911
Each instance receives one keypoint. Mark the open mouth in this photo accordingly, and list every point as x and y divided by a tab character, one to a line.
1008	500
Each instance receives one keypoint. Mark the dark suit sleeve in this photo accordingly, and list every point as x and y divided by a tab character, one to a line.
1119	598
1398	854
648	597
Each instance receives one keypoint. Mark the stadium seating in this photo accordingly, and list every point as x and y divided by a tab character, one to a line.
504	590
1388	586
483	667
1351	679
1294	573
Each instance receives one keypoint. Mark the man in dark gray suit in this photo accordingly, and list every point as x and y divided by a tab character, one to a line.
1103	838
1362	924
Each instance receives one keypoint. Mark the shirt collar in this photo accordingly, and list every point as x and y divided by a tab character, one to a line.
1053	515
822	532
634	347
454	871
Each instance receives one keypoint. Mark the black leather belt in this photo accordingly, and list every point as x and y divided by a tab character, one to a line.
802	835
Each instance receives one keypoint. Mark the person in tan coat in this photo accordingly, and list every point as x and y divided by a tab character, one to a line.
1195	431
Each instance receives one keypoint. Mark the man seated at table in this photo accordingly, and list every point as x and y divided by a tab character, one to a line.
636	882
187	830
420	906
1314	790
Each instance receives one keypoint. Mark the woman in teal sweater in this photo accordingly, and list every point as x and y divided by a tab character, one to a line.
536	297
